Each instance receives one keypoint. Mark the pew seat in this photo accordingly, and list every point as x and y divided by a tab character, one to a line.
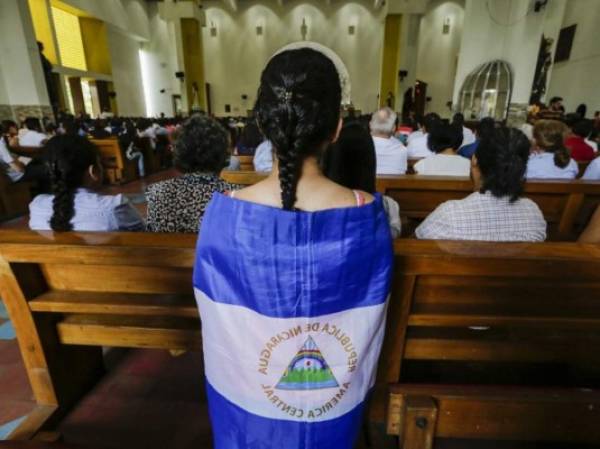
567	205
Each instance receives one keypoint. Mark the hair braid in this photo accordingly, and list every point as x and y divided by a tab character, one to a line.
550	136
68	158
561	156
63	205
298	108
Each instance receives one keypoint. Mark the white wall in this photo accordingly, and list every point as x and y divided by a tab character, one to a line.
508	30
22	75
235	58
409	48
131	25
578	79
130	16
158	68
126	72
438	52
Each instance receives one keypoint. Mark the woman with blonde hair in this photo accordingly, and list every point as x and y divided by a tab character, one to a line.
550	159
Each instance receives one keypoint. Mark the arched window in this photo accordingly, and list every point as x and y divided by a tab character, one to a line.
486	91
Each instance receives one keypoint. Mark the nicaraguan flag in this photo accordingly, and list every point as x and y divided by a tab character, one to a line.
293	316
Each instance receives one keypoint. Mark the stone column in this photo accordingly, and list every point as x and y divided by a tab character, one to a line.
409	46
400	48
186	20
22	86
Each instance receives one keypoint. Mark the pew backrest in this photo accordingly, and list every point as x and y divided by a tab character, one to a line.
68	293
246	162
469	302
567	205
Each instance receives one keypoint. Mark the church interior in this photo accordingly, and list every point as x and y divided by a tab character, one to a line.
133	130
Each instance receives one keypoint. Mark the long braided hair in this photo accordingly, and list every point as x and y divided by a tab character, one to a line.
298	110
68	159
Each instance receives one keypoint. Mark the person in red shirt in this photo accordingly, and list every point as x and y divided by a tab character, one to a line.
580	150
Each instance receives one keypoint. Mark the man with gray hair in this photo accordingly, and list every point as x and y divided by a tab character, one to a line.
390	154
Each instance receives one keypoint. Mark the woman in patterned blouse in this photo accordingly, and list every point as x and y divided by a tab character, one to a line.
177	205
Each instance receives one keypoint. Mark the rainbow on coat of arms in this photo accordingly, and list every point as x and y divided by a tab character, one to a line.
308	370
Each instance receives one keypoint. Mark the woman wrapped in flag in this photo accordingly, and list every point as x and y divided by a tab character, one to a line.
292	276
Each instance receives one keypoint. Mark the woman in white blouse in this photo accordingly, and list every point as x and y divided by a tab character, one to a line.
444	140
75	174
550	159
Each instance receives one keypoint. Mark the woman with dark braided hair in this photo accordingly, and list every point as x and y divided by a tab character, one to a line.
496	211
75	173
291	278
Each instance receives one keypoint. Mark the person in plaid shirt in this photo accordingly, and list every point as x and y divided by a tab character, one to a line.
496	210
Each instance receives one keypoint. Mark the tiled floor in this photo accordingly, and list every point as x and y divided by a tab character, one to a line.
16	399
151	400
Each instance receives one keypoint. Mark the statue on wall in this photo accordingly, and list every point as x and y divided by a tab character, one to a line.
542	68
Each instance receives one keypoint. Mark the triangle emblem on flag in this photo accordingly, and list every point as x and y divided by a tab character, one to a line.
308	370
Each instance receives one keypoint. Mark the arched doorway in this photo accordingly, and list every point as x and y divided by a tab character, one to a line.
337	61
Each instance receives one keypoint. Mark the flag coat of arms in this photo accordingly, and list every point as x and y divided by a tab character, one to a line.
293	308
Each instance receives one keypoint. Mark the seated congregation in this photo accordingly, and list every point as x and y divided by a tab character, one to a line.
296	269
500	161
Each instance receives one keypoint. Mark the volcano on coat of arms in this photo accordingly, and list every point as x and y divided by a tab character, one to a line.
308	370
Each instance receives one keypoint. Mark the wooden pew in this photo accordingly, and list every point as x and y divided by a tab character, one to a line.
246	163
492	342
68	294
14	197
566	205
152	157
117	169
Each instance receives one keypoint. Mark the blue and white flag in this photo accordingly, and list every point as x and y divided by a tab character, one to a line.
293	316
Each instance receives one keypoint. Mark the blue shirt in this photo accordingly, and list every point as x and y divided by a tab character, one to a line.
469	150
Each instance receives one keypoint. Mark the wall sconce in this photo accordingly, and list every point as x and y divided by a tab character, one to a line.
259	30
304	28
446	26
213	29
352	30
